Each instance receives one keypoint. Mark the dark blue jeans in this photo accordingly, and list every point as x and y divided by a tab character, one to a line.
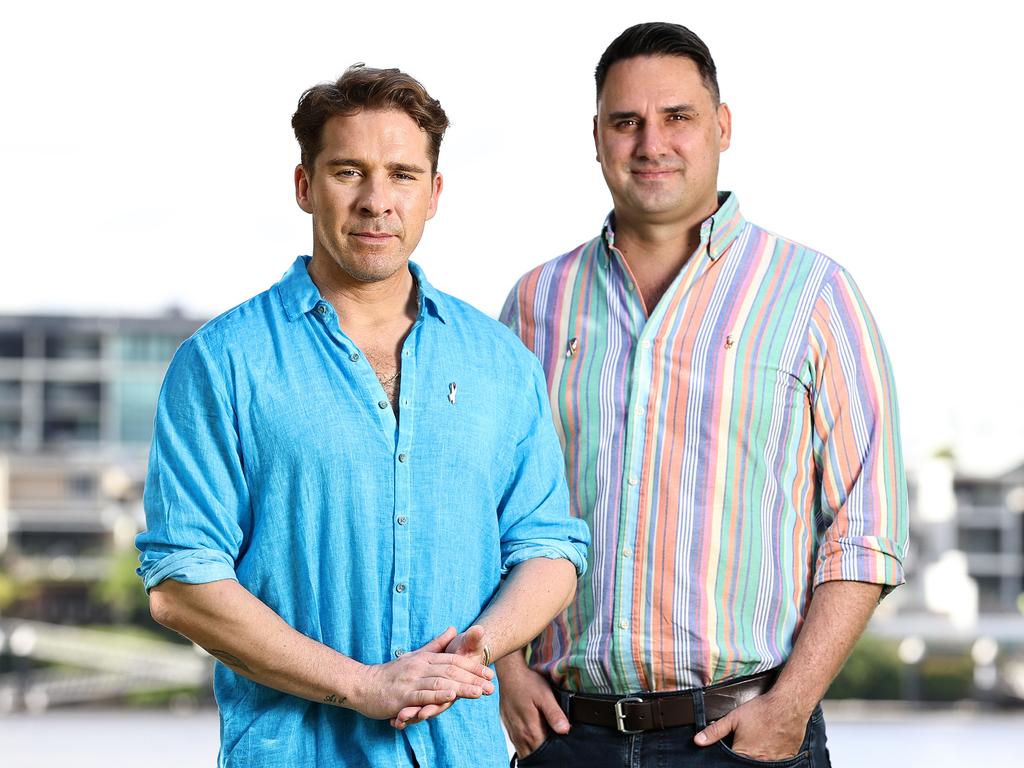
593	746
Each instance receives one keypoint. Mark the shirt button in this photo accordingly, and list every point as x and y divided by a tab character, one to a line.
382	404
646	344
321	309
627	552
623	624
402	519
639	410
630	286
399	652
402	457
354	357
632	480
400	588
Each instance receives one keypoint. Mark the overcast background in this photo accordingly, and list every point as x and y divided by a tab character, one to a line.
147	159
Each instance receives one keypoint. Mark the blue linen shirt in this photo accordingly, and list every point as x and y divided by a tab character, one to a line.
277	461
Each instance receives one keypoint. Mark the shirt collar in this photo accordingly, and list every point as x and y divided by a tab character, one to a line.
716	232
300	295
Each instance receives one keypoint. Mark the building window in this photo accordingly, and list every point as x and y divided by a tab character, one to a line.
982	541
82	486
12	344
149	347
73	346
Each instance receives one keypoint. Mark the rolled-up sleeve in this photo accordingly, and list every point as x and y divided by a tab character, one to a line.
863	497
196	498
534	515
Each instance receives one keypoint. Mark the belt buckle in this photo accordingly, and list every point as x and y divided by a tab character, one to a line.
620	716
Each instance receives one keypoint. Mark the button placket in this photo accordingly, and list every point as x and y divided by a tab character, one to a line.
401	589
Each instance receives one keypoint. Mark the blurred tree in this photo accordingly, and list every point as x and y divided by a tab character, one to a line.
8	591
121	589
872	672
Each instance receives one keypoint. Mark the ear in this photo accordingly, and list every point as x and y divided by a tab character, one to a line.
436	185
724	126
302	189
597	146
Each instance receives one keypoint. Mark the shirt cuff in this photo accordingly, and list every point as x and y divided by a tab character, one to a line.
553	550
189	566
871	559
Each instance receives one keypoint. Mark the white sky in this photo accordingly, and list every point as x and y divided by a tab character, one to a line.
147	159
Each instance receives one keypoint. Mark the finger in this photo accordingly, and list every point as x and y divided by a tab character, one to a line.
432	710
405	716
426	695
439	643
460	675
716	731
462	690
464	662
553	713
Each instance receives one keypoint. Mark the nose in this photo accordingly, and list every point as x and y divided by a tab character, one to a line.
651	140
375	199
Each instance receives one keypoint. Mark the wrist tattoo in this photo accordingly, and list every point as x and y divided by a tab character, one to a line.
333	698
229	659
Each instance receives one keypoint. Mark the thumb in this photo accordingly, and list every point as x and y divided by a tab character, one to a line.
474	639
717	731
439	643
553	713
469	643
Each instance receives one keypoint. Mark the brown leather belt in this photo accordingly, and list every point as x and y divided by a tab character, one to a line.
657	711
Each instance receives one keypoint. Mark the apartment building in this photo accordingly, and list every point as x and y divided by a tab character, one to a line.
990	533
77	398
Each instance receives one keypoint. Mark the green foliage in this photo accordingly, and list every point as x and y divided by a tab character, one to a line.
872	672
121	589
947	677
8	591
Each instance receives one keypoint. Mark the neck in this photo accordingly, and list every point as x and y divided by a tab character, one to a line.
360	305
656	250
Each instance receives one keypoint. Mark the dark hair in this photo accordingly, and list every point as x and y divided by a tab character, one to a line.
360	88
659	38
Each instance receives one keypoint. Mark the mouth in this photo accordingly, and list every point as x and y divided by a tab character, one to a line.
653	174
372	238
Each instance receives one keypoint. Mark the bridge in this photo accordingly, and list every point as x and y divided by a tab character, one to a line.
93	665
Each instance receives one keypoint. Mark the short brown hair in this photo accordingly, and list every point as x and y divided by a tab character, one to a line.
360	88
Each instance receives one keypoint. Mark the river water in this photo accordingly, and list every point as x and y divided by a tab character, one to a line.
859	737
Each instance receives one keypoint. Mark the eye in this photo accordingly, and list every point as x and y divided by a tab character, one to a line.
405	176
346	173
627	123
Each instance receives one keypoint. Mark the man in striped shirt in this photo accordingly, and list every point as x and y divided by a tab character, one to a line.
729	423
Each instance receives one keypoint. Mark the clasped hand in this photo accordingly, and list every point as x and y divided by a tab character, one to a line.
425	682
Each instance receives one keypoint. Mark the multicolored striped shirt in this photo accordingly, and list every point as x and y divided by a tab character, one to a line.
730	451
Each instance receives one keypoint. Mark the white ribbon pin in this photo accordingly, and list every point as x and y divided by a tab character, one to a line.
452	389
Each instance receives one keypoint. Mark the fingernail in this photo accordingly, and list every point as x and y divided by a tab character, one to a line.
701	739
562	726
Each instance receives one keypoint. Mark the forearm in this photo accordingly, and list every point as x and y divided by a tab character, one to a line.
246	635
532	594
837	616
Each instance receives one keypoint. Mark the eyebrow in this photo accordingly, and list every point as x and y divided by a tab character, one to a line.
399	167
675	109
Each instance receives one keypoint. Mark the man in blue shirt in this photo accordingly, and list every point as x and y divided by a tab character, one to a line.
351	462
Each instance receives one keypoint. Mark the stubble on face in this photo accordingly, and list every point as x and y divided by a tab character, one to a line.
370	195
